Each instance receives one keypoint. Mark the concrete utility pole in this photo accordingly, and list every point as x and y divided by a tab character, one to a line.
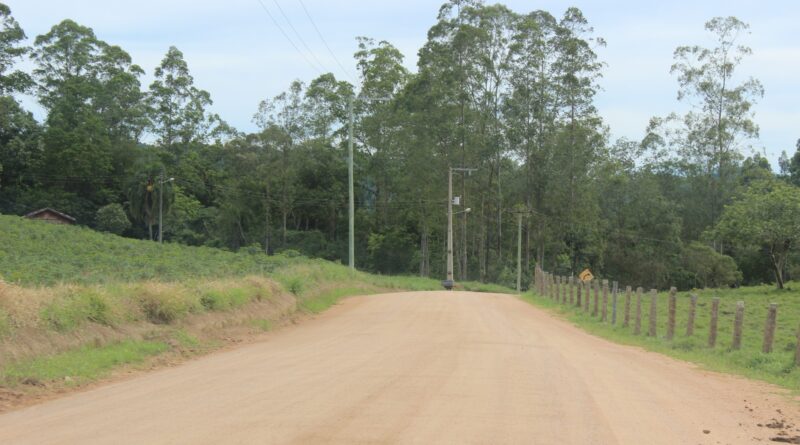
161	183
448	282
519	252
352	205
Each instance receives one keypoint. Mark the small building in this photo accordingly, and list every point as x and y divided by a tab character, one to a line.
51	216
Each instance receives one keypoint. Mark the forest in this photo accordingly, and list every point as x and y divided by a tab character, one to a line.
510	94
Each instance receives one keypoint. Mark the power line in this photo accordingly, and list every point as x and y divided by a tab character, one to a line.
299	37
275	22
324	42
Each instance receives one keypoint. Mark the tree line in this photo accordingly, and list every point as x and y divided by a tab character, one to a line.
510	94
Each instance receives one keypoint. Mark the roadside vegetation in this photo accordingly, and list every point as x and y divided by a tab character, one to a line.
777	367
75	304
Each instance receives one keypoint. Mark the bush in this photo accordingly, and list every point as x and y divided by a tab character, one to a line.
710	269
164	304
112	219
217	300
71	311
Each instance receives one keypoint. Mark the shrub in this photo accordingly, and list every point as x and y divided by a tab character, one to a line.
710	269
112	218
164	304
74	309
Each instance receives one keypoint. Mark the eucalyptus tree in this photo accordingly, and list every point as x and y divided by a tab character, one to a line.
19	131
464	65
90	90
12	49
711	137
177	108
382	76
532	113
282	121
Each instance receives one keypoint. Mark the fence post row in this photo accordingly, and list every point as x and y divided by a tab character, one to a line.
573	291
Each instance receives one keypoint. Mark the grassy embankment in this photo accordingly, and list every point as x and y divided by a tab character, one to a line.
75	304
776	367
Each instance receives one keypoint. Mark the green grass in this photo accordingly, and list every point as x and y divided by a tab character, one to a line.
80	365
262	324
776	367
38	253
67	313
185	339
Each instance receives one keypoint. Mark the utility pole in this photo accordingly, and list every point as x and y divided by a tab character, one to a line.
520	213
352	205
519	252
161	182
448	282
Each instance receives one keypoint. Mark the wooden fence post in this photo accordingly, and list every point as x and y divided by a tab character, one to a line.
604	315
596	298
797	349
652	332
627	317
637	326
560	295
558	288
692	312
737	326
571	289
614	290
671	313
587	295
712	326
563	290
578	286
769	328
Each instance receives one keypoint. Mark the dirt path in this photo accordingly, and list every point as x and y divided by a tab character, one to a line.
421	368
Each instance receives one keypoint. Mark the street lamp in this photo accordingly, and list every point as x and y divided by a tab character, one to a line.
161	182
448	282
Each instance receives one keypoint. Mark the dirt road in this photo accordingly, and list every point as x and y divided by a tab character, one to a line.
420	368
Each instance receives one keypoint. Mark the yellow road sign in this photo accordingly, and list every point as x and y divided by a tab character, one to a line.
586	275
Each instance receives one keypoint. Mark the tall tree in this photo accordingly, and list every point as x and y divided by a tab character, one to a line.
11	50
178	109
717	129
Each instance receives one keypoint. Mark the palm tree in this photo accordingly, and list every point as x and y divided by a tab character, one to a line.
143	195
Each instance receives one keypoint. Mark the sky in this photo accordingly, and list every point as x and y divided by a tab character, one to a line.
236	52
